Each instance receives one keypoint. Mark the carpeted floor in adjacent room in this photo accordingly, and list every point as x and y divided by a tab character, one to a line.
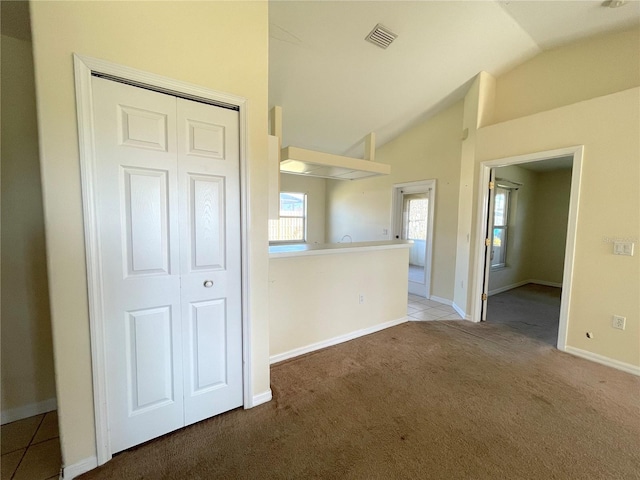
424	400
532	310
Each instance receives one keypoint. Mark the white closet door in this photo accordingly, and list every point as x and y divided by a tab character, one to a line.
137	193
168	203
209	185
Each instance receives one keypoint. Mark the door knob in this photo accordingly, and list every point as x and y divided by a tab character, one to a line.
208	283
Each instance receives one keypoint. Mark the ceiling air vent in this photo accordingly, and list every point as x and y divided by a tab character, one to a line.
381	36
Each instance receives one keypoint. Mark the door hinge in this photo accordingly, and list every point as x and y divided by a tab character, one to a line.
484	297
491	185
487	242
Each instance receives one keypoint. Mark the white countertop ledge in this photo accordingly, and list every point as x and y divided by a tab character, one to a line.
302	249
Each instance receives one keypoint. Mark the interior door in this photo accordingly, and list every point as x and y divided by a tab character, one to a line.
412	219
488	247
415	221
168	208
209	186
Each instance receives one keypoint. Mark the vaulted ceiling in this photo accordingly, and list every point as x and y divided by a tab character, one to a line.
335	87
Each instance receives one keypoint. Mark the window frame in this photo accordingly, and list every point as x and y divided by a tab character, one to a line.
304	218
504	228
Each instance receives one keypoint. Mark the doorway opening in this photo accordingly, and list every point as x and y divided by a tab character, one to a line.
413	209
527	226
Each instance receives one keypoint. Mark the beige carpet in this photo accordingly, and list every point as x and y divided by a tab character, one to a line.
431	400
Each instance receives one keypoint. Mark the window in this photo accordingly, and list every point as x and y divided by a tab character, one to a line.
416	226
292	225
500	226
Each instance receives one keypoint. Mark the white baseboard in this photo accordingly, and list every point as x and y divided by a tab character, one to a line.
441	300
461	312
546	284
609	362
261	398
26	411
77	469
334	341
524	282
495	291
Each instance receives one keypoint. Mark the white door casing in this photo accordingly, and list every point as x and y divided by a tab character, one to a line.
479	265
168	222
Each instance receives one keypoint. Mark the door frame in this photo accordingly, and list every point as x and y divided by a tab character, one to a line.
84	67
419	186
577	152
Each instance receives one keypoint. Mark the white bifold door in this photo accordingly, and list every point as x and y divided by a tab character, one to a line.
168	203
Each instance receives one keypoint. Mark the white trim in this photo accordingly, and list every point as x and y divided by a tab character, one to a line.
25	411
481	230
506	288
261	398
446	301
420	186
452	304
545	283
280	357
460	311
601	359
77	469
83	67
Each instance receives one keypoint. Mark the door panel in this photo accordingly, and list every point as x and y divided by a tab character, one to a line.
146	234
208	171
149	359
136	199
207	208
209	362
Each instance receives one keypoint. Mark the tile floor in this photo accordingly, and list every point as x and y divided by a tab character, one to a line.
420	309
30	448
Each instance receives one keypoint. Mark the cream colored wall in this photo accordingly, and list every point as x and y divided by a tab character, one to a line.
27	351
478	110
315	188
579	71
362	208
316	298
603	284
219	45
521	229
551	214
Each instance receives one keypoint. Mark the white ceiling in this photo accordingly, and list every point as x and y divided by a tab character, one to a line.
335	87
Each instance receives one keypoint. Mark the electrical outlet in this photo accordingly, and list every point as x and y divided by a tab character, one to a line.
618	322
361	298
623	248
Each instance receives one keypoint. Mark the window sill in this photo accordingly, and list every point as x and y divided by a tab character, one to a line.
287	242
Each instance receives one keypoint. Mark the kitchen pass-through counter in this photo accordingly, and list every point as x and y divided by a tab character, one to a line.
297	249
324	294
